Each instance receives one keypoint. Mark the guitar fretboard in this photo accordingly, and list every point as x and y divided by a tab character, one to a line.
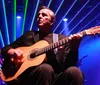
56	44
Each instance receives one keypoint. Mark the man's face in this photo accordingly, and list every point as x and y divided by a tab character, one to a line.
44	19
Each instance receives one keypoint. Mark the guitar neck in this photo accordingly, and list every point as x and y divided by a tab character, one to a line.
56	44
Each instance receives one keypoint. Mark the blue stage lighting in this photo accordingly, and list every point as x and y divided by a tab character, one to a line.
65	19
18	17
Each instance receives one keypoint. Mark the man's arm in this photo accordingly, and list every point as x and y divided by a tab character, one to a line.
24	40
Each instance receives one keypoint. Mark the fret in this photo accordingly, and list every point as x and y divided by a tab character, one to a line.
57	44
50	46
44	49
54	45
63	41
82	32
38	52
60	42
66	39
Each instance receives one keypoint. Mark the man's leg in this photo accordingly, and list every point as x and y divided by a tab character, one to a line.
71	76
40	75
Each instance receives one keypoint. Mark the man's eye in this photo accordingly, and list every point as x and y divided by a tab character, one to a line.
44	15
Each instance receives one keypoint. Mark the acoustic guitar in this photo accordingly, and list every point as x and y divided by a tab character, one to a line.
35	55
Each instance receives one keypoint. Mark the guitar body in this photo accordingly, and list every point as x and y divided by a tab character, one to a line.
28	62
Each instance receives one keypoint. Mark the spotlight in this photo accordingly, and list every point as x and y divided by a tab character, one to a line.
65	19
18	17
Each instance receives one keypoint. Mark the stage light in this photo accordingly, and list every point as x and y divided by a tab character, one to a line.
66	30
18	26
65	19
18	17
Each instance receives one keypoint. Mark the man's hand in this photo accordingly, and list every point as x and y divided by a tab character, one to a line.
16	55
75	41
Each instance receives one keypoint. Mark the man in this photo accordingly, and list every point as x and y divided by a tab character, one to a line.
56	69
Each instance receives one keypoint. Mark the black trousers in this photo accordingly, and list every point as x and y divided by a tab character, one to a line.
44	75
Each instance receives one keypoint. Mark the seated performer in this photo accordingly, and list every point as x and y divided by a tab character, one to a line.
53	68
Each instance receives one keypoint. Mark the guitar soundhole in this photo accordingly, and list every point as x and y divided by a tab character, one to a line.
32	55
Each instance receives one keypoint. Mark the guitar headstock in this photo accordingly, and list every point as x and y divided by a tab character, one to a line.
93	30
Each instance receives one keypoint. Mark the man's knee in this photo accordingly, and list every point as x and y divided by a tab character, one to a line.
74	72
46	70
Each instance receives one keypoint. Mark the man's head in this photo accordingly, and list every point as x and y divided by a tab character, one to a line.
45	19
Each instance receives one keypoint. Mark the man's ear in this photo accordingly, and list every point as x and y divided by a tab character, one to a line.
52	22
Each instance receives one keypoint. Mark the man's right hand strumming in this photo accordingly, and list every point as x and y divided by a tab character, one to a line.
16	55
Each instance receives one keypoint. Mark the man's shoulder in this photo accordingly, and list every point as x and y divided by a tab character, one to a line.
30	32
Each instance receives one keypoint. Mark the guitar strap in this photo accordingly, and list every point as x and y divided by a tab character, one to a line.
55	39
